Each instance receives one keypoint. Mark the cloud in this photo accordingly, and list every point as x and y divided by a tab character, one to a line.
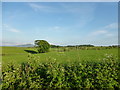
14	30
99	32
63	7
36	7
105	33
56	28
11	43
5	43
78	7
108	30
111	26
109	34
11	29
39	7
82	13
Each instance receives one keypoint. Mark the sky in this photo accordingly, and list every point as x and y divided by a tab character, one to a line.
60	23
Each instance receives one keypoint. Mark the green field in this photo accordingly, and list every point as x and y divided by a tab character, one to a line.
20	54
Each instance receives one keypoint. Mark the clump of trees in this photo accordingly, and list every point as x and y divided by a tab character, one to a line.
55	46
42	46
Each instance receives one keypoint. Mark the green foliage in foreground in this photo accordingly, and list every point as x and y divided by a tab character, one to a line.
57	75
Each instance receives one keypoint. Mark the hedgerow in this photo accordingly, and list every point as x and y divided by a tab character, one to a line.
55	75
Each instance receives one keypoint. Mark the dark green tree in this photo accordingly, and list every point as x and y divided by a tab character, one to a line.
42	46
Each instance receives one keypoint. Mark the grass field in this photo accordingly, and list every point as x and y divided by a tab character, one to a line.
20	54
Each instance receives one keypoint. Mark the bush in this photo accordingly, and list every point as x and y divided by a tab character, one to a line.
42	46
54	75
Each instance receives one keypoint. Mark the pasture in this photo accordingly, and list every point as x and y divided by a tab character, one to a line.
18	55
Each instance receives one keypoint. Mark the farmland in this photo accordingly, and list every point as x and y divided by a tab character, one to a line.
20	54
24	68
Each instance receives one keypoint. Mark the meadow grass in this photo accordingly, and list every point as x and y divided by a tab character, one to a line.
18	55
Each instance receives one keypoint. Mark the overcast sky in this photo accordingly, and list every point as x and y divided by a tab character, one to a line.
61	23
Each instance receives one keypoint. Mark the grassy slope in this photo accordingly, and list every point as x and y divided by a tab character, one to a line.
18	55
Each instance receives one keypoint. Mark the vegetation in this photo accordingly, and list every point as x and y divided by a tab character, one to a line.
54	75
63	55
42	46
61	68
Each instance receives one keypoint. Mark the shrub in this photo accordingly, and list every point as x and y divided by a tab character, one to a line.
54	75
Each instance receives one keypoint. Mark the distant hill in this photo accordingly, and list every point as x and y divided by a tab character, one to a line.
25	45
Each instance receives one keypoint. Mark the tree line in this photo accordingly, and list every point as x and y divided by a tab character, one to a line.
43	46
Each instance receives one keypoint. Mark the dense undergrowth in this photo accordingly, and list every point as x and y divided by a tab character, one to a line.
54	75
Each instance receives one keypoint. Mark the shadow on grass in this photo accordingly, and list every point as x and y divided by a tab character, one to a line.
31	51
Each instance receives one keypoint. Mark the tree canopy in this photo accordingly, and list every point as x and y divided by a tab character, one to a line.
42	46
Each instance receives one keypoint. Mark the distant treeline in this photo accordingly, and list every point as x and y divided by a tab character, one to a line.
57	46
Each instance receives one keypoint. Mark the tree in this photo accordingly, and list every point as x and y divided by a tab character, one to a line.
42	46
